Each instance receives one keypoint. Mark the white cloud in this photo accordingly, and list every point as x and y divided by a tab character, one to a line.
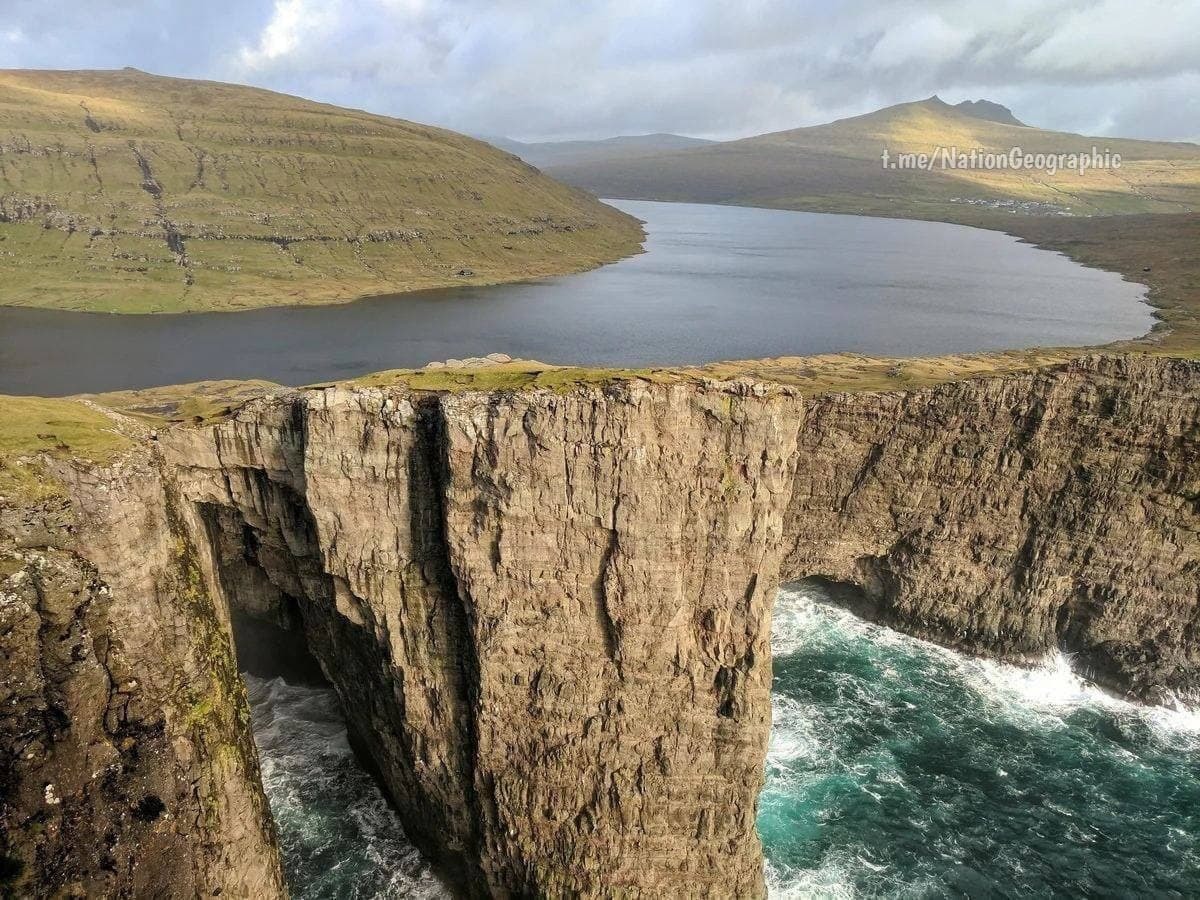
1115	38
292	23
548	69
927	39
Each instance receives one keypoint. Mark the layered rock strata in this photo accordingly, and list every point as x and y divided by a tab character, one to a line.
127	767
547	614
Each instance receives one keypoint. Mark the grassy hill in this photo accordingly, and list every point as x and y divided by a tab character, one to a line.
128	192
550	154
838	167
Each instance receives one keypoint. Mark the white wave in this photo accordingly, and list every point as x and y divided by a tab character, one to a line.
830	881
305	752
796	732
1045	691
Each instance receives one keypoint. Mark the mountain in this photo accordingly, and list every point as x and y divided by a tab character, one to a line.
570	153
986	109
128	192
839	167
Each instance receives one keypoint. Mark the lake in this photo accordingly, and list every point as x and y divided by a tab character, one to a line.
715	282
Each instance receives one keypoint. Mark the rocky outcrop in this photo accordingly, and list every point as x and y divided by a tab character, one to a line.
1011	516
126	763
547	614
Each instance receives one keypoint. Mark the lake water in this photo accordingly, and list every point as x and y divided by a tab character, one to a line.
715	282
895	769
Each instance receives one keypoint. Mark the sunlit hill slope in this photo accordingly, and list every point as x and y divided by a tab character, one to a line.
838	167
129	192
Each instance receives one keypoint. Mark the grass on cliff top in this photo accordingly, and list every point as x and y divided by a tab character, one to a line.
128	192
32	426
196	403
810	375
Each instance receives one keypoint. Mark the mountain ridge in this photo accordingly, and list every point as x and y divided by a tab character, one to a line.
988	109
839	167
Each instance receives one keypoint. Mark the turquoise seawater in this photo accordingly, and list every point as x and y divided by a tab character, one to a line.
896	769
339	838
901	769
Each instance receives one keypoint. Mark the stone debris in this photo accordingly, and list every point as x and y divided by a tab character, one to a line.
479	362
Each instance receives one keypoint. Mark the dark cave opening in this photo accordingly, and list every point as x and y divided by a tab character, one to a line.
845	594
268	627
267	650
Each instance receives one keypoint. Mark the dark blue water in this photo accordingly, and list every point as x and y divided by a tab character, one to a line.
896	769
715	282
339	838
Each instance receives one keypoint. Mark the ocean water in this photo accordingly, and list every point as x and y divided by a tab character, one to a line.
896	769
340	839
901	769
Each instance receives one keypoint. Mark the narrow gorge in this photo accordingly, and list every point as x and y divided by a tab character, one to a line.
547	613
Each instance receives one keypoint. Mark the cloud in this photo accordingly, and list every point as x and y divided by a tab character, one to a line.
926	39
539	69
293	24
1116	39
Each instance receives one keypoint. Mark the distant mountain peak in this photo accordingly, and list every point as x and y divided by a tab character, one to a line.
987	109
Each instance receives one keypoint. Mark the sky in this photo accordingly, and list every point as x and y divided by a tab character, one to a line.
570	69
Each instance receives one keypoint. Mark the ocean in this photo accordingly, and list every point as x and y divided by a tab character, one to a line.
896	768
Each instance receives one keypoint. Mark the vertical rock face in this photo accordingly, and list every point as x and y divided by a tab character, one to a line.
547	615
547	632
618	556
1012	516
126	763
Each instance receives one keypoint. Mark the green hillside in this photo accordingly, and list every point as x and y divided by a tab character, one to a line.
838	167
128	192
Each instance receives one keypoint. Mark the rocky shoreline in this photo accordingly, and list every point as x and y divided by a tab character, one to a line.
547	612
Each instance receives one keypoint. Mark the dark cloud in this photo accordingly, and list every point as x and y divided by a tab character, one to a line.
547	69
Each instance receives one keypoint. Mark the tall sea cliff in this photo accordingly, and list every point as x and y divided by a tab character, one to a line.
547	613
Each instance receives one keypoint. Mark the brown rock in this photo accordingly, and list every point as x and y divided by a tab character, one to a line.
547	615
126	764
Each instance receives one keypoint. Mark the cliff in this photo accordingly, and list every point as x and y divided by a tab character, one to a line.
127	767
547	612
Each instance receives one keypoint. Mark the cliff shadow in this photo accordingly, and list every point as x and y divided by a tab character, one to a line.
843	594
268	631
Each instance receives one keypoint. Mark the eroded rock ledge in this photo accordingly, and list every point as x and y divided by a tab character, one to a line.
127	768
547	613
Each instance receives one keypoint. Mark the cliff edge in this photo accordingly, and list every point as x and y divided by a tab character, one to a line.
547	611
